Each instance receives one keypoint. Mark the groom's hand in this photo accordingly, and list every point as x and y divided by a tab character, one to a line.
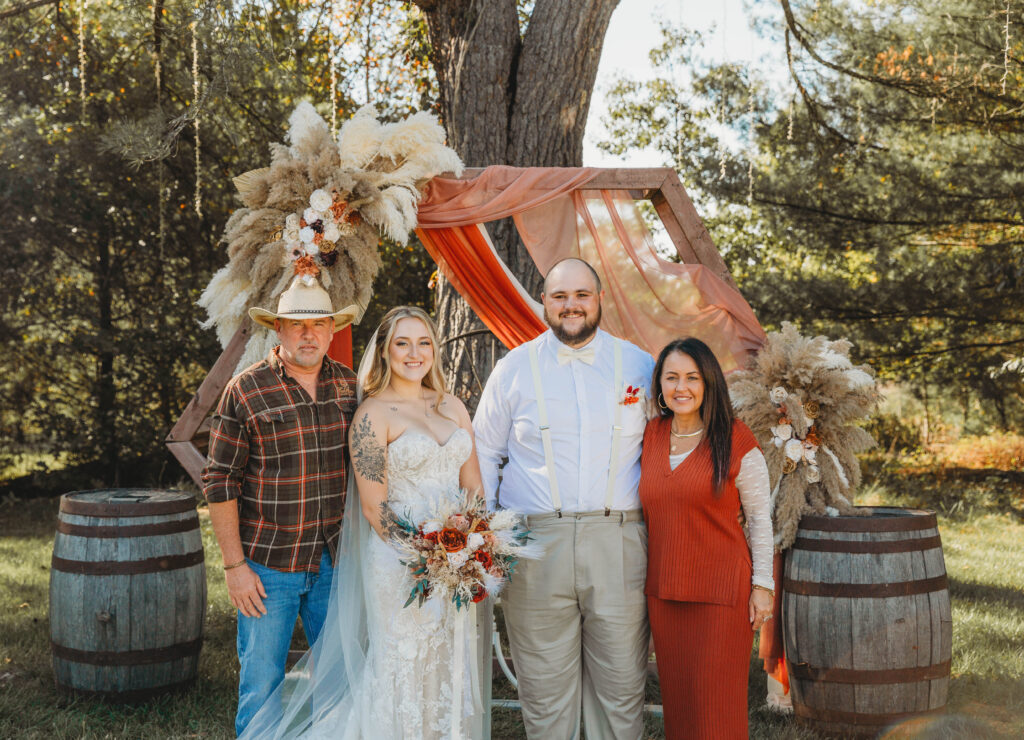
245	589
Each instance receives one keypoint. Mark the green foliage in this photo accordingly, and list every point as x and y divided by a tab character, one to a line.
883	202
104	252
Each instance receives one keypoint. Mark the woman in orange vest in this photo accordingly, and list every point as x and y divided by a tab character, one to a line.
707	589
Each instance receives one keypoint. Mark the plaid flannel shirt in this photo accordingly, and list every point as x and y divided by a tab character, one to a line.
284	458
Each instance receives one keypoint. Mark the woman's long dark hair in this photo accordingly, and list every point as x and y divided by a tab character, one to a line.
715	409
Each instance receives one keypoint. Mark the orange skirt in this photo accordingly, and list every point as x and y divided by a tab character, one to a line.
703	653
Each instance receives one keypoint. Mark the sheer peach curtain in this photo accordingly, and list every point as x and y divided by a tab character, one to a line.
648	300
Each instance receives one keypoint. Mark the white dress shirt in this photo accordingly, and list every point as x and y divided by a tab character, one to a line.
581	405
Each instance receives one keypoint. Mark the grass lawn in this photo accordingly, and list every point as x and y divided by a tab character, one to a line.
981	516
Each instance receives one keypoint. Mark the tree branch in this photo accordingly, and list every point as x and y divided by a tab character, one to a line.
25	7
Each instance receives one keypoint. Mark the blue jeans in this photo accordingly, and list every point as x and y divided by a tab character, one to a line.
263	642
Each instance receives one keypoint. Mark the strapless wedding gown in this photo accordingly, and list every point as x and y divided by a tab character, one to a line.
411	678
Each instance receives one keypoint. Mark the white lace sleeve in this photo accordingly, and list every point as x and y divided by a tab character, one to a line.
753	485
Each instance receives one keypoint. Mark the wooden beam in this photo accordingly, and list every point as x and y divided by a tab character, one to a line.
190	458
679	203
675	230
212	386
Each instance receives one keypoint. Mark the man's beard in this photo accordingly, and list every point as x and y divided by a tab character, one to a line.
588	329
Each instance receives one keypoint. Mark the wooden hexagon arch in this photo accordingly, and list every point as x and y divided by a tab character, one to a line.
659	185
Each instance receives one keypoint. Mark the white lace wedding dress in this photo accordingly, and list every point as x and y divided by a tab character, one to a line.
417	683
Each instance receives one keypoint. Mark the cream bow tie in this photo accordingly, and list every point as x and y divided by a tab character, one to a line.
568	354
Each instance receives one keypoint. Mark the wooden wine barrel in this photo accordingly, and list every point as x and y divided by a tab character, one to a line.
127	593
866	620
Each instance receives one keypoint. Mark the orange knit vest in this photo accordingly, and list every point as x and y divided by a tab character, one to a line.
696	547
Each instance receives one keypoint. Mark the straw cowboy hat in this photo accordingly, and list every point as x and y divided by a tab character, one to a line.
306	301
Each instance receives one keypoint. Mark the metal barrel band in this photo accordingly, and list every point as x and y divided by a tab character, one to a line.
147	656
916	519
858	718
865	590
872	546
128	697
70	505
807	672
131	530
127	567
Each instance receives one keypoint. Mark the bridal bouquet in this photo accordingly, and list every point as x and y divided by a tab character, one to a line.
462	551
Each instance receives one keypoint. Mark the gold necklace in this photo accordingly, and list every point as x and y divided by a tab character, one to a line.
677	435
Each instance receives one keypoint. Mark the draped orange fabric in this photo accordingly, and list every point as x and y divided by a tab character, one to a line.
465	257
497	192
648	299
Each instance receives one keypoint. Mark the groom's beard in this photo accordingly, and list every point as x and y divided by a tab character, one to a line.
580	337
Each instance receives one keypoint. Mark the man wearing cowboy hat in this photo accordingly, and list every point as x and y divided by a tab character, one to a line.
275	481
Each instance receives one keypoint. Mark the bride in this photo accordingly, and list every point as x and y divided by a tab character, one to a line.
380	669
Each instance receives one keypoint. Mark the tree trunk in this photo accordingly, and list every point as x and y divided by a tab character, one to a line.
509	99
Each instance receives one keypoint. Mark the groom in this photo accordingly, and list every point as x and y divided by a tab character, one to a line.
567	410
275	480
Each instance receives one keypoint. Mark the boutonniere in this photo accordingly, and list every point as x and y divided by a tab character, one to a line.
632	396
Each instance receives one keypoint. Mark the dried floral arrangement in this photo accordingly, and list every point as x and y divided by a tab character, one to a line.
318	211
461	552
803	399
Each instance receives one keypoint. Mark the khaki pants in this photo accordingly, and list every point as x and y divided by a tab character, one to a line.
577	626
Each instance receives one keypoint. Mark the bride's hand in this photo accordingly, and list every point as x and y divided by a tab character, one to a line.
245	589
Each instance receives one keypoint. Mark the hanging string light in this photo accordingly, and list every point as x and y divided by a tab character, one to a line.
82	58
1006	48
198	201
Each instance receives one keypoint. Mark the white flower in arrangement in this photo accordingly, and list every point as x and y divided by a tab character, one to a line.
474	540
320	199
794	450
778	394
810	450
292	234
312	249
294	250
458	559
432	525
306	235
292	222
813	474
782	433
312	215
331	231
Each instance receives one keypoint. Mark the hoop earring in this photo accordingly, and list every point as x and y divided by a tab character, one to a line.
661	401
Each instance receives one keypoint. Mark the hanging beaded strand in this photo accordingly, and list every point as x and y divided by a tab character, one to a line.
750	158
1006	48
83	59
334	70
198	202
157	73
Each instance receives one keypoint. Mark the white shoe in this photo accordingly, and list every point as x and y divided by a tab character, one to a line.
779	703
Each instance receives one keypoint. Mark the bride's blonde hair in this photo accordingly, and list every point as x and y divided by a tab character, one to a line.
379	374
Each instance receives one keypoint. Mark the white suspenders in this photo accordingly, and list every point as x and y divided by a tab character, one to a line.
545	429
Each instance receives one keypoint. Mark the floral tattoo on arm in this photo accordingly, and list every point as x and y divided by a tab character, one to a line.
367	452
